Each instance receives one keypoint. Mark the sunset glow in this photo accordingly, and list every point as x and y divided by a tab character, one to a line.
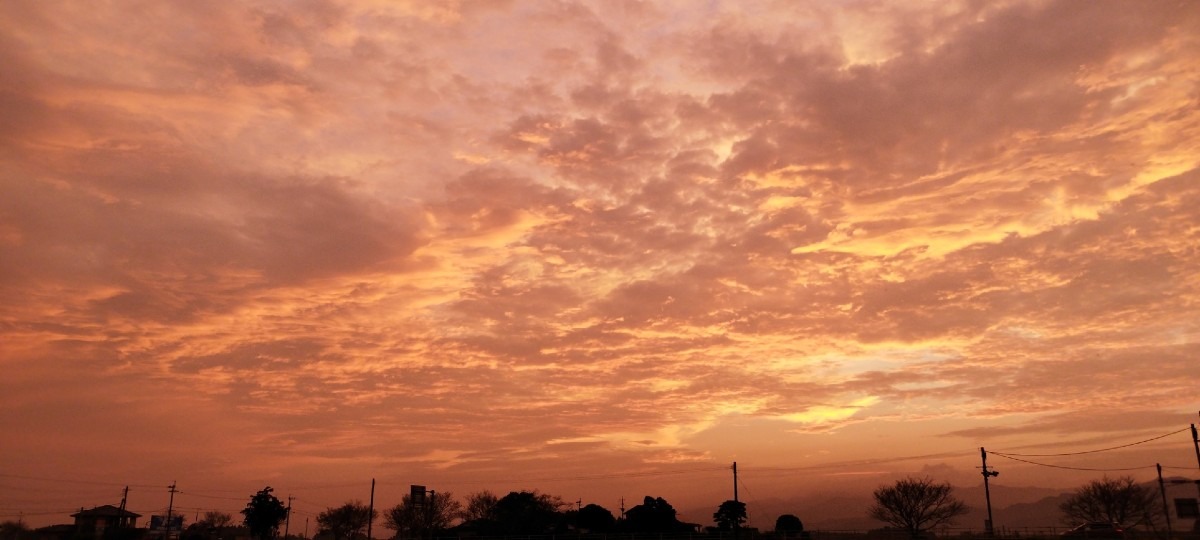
601	248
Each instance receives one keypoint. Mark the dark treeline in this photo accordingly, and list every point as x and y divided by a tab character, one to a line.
519	513
428	514
911	509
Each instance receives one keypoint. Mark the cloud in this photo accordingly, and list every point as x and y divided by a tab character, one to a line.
510	236
824	414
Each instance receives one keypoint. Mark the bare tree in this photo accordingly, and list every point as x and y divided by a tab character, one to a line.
217	519
413	520
1120	501
481	506
346	522
916	505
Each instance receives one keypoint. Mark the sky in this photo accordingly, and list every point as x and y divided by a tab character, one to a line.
602	248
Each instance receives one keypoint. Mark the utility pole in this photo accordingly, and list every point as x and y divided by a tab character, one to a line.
622	507
429	512
735	500
1196	443
121	514
306	528
987	491
735	493
1162	488
287	520
170	507
371	510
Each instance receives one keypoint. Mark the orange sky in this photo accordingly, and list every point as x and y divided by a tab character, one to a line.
576	246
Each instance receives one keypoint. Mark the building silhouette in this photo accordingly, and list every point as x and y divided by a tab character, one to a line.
92	523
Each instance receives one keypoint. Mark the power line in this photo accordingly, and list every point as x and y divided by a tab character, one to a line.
47	513
201	495
1090	451
1070	468
643	474
647	474
879	461
75	481
322	486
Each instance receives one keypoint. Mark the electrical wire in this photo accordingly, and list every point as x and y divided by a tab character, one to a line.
609	476
1073	468
1007	454
646	474
194	494
844	464
47	513
749	493
1173	468
319	486
74	481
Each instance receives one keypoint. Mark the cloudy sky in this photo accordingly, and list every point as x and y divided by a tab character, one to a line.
600	248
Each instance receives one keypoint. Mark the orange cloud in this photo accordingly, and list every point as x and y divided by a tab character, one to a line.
488	239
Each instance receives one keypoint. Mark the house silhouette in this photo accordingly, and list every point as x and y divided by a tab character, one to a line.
93	523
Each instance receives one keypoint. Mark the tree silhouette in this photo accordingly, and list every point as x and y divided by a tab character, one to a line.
346	522
207	528
263	514
654	515
595	519
217	519
526	512
414	520
14	530
788	524
730	515
1119	501
481	506
916	505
